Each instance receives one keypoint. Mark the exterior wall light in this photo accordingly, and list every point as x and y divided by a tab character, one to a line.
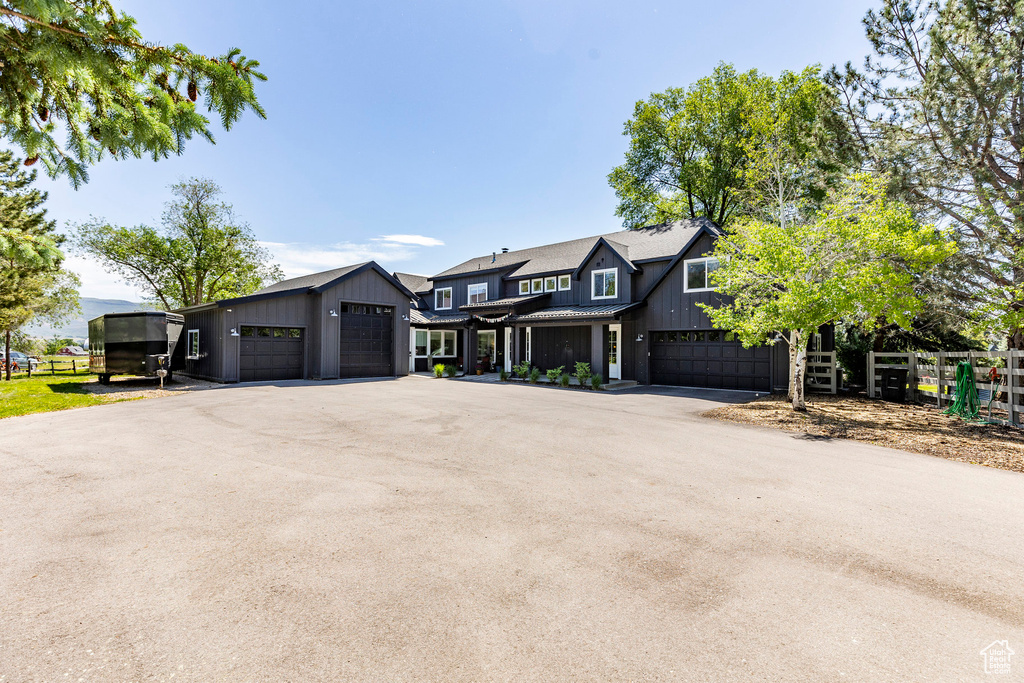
234	332
334	313
639	337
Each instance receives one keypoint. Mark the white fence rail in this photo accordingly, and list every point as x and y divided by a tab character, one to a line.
931	378
821	374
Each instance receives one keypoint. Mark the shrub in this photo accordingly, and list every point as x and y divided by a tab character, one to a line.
553	375
564	379
583	373
503	375
450	370
439	370
534	375
522	370
595	382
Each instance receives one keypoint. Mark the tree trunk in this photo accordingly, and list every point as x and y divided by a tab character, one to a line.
792	368
7	355
797	368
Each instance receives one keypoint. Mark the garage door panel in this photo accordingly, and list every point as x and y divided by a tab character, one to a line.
708	358
271	353
366	342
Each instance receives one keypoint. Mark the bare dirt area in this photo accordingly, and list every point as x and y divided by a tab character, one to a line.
121	388
917	428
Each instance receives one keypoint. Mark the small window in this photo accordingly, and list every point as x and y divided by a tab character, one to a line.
698	273
263	332
442	343
443	299
564	284
421	343
537	285
193	344
714	336
343	308
550	284
659	336
477	293
698	336
603	283
672	336
730	336
294	333
280	332
387	310
524	287
248	331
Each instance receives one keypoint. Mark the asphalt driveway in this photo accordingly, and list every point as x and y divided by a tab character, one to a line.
426	529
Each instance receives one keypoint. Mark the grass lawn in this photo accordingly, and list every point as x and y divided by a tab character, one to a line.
43	393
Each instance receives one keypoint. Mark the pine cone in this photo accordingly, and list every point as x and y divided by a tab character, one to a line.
44	113
31	160
193	91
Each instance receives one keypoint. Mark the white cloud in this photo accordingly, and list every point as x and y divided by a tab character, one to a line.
297	258
99	284
418	240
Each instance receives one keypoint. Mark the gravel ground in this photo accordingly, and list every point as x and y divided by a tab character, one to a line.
121	388
916	428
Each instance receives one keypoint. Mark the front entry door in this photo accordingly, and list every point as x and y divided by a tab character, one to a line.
486	342
508	349
614	359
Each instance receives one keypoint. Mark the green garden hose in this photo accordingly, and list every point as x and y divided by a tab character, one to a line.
966	405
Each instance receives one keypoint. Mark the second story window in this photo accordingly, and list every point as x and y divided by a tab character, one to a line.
604	283
698	272
443	299
478	293
564	285
549	284
537	285
524	286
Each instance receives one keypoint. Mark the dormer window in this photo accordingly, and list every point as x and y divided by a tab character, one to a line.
698	274
477	293
537	285
564	284
603	283
443	299
550	284
524	287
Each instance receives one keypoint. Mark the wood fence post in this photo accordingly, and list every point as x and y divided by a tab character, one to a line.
1011	385
74	370
912	377
834	372
871	374
52	372
940	360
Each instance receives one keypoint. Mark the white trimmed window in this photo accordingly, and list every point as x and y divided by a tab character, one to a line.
604	283
442	343
698	272
193	345
420	350
537	285
477	293
524	286
550	284
564	284
443	299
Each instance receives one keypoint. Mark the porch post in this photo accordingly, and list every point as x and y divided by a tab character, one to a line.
468	351
597	349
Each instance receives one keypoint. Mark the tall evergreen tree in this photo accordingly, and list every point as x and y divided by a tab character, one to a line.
81	69
31	279
939	108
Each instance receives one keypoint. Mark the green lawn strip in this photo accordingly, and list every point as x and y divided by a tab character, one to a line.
43	393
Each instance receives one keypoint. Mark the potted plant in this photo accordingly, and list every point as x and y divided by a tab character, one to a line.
479	367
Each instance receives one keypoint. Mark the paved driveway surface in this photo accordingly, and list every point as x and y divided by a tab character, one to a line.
441	530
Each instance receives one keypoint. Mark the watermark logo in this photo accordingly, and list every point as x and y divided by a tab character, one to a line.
997	657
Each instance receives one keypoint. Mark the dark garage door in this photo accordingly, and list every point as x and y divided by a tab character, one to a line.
366	341
708	358
270	353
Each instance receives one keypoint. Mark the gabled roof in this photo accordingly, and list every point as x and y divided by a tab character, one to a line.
709	229
418	284
620	250
309	281
654	242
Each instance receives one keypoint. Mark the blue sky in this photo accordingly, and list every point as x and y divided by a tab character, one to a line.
421	134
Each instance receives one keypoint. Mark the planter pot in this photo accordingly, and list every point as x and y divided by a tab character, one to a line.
479	372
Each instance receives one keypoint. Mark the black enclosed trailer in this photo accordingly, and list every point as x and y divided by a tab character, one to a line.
137	343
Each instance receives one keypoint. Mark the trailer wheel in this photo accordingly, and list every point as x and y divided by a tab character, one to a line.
104	379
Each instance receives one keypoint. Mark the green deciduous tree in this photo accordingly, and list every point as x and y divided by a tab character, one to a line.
32	282
939	107
858	261
202	254
731	144
80	70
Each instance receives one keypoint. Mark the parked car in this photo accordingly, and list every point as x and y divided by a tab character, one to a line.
20	361
72	351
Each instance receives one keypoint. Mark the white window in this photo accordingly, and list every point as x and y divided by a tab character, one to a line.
524	286
443	299
698	273
563	283
603	283
421	343
537	285
442	343
478	293
550	284
193	345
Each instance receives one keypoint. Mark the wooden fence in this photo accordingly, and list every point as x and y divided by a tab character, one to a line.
822	374
931	378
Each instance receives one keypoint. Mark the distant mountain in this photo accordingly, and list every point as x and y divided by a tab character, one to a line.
78	327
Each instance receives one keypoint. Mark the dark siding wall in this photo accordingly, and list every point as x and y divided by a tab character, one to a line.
460	289
366	288
211	343
650	272
670	308
605	258
291	311
554	346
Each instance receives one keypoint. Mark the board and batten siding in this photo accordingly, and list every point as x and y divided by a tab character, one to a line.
282	311
460	289
605	258
367	287
669	307
210	363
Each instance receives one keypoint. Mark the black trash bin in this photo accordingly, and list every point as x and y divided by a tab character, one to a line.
894	384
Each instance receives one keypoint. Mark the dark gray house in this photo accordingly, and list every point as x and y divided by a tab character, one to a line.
625	302
347	322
